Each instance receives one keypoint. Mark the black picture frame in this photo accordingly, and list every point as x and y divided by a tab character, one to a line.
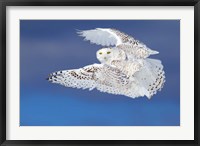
5	3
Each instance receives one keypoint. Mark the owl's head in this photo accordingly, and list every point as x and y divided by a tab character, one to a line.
105	55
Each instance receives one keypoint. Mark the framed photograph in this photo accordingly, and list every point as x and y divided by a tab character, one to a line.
99	72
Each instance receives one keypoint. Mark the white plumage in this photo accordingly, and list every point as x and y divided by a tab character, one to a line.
124	69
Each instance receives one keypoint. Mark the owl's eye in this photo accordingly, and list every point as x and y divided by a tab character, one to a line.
100	53
108	52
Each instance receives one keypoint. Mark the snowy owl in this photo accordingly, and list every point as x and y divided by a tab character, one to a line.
124	68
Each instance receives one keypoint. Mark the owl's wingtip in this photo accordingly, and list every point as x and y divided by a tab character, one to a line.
49	78
153	52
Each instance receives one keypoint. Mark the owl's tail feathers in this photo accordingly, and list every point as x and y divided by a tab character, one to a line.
151	77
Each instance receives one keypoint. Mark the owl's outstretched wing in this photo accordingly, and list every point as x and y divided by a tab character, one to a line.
112	37
151	76
106	36
102	77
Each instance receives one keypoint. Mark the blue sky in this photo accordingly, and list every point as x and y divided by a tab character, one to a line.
51	45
